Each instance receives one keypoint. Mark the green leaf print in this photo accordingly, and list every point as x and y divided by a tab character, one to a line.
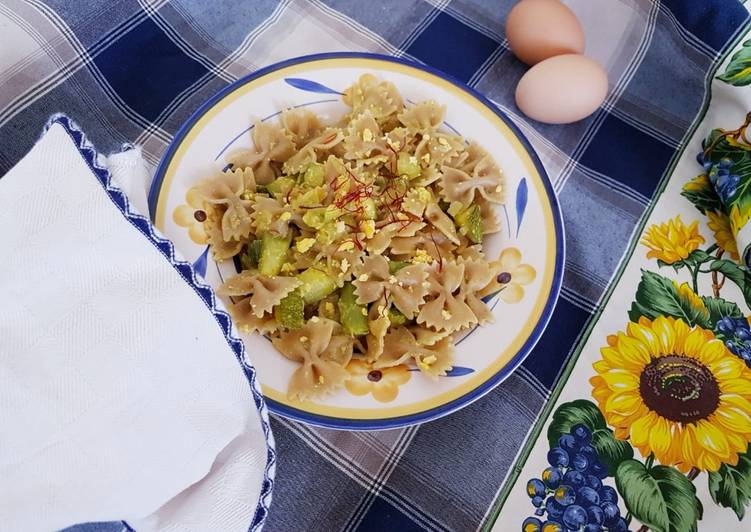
569	414
657	296
700	192
730	487
660	497
740	155
736	274
719	308
738	71
610	450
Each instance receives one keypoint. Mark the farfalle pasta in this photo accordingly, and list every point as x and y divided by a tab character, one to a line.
356	241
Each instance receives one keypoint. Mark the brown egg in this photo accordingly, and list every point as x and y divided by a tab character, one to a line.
539	29
562	89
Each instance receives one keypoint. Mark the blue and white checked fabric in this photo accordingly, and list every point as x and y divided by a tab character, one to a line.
131	71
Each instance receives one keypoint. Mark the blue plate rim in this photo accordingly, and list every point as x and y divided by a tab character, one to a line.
555	289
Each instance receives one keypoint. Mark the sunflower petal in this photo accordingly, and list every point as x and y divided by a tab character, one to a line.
726	368
631	353
738	386
665	334
690	447
659	439
643	332
733	418
694	343
640	429
711	351
711	438
621	380
736	400
624	404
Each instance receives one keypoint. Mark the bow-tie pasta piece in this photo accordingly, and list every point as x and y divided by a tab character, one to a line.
445	307
313	150
380	98
400	346
271	148
301	125
427	115
319	349
263	292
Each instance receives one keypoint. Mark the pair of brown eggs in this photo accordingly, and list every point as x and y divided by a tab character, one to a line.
562	86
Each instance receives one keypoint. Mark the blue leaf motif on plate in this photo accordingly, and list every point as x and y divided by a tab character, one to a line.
309	86
200	264
459	371
456	371
521	203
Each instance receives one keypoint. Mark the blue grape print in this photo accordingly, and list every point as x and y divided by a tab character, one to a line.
570	495
557	457
737	335
551	477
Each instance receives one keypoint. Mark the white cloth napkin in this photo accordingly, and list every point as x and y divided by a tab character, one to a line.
122	391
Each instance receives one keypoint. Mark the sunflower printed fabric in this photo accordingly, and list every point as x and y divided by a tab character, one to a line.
650	427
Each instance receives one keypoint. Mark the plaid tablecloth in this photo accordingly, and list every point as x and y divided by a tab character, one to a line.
132	72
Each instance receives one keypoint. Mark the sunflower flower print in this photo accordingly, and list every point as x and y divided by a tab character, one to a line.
676	392
672	241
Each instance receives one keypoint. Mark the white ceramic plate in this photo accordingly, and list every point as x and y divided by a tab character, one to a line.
531	225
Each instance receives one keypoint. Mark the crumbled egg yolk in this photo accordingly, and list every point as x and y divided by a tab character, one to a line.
392	279
368	228
446	314
422	257
321	380
443	142
303	339
286	215
367	135
363	277
344	265
423	194
364	312
426	158
288	268
304	244
346	246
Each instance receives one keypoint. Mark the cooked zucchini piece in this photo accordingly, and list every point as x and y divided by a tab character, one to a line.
250	255
273	254
313	176
408	165
290	312
316	284
396	318
396	265
353	317
469	222
281	186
